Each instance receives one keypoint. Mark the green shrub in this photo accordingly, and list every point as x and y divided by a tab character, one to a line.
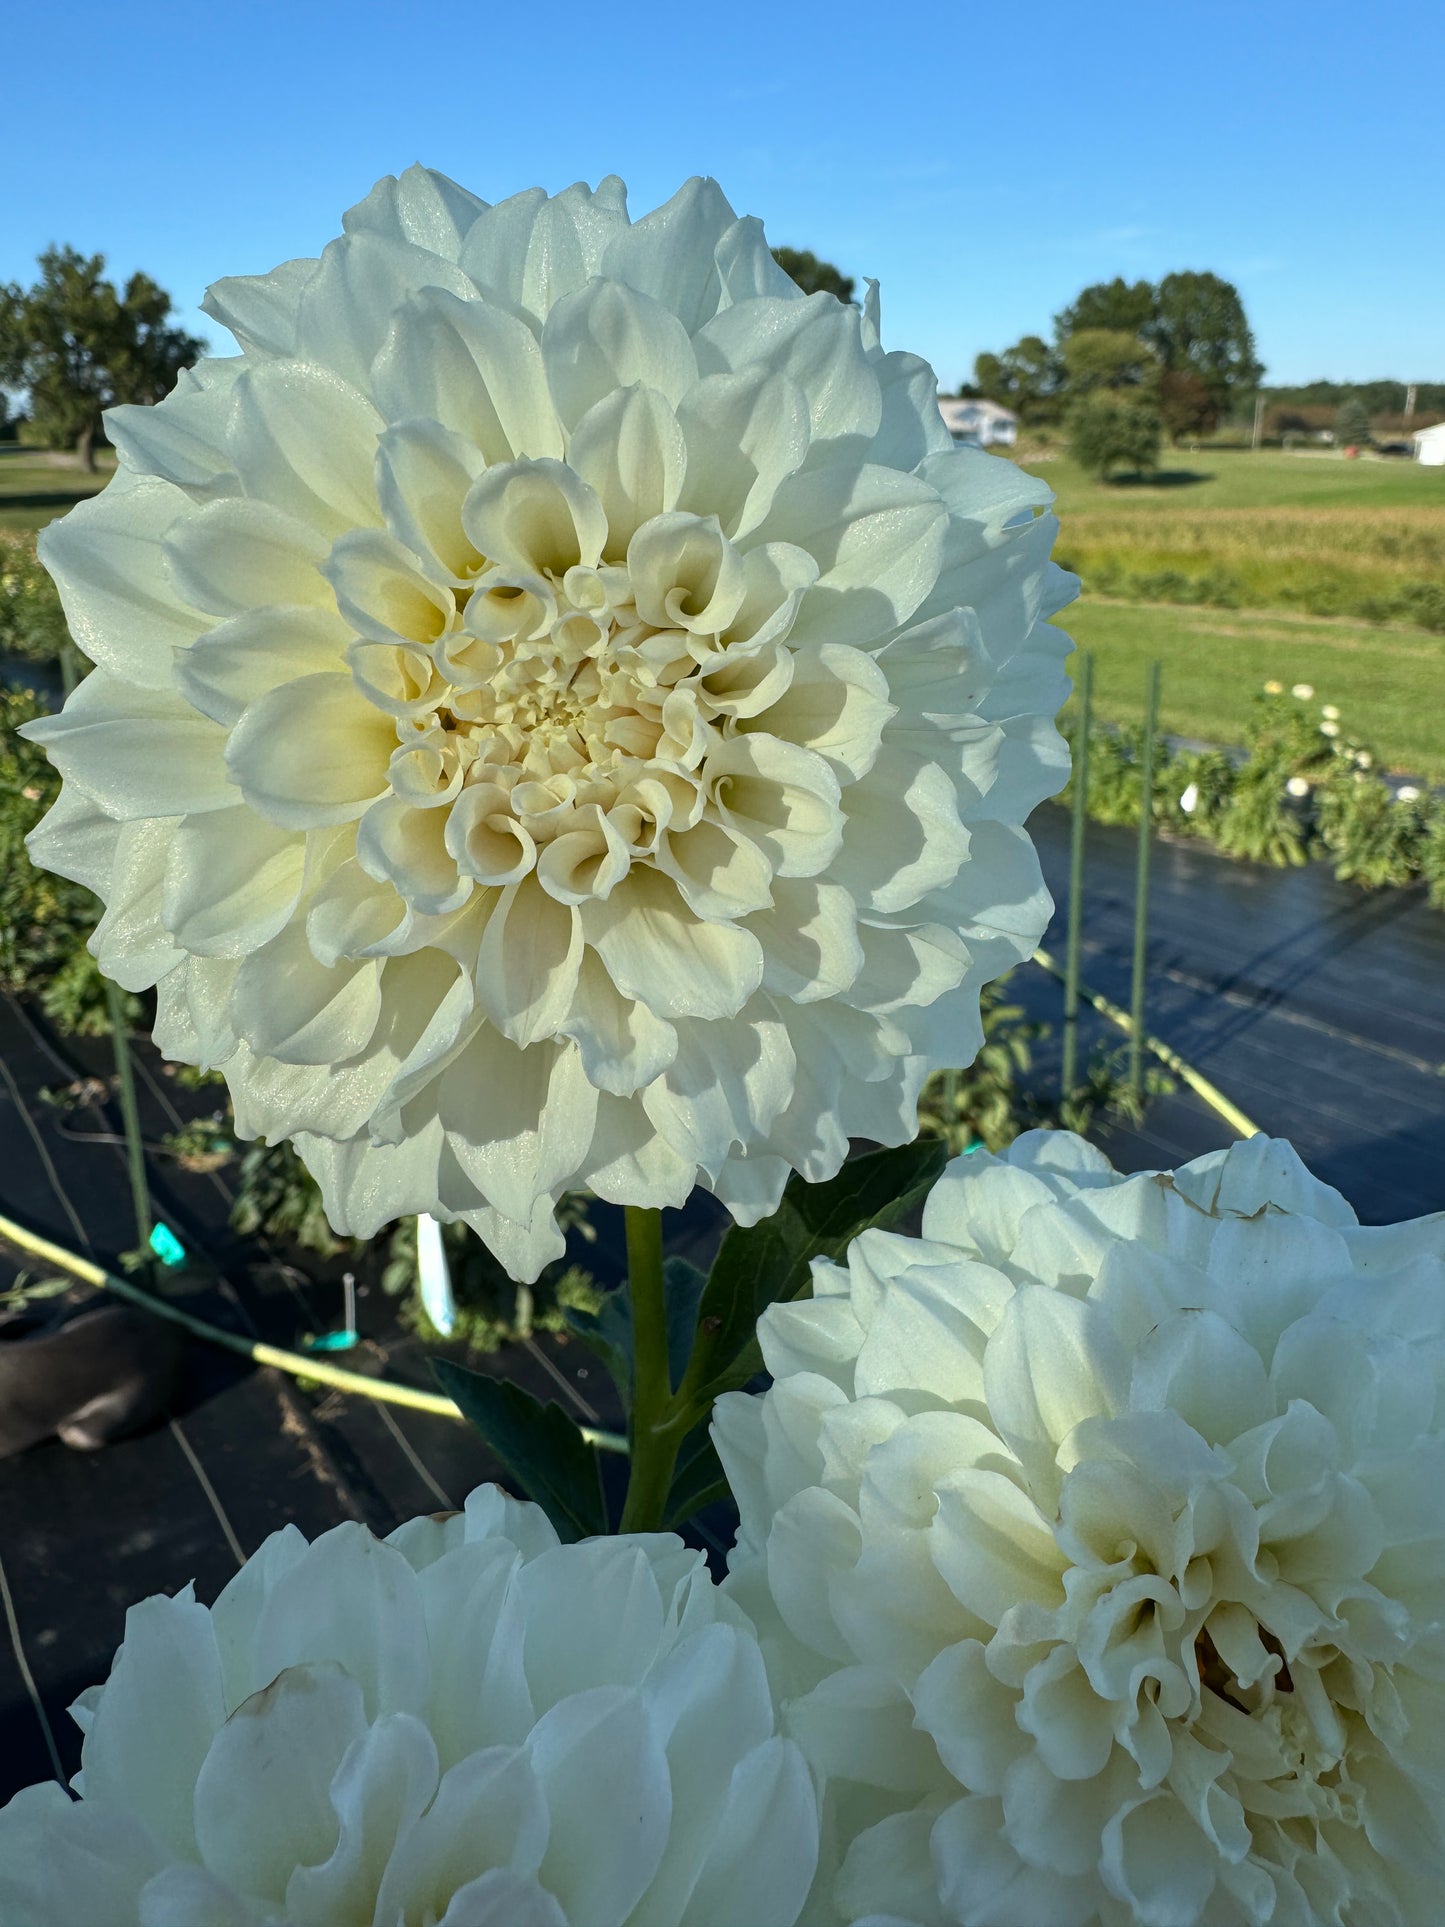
279	1202
1109	429
1372	839
1211	776
984	1104
1432	851
31	623
1258	823
1422	603
45	920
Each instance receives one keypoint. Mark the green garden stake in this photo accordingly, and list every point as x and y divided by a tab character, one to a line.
1083	689
1141	885
130	1116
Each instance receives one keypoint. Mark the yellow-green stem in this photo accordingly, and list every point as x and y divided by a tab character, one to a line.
654	1441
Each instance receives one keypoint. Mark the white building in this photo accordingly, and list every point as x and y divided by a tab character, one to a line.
981	422
1430	445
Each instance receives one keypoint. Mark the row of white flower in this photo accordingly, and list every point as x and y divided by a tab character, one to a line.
1089	1571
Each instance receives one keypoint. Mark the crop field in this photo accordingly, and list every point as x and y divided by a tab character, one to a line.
1239	568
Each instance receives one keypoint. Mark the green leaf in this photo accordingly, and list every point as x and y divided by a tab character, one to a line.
697	1481
768	1263
539	1445
608	1333
684	1285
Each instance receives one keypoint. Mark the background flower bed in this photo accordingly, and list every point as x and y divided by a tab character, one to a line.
1233	566
1305	788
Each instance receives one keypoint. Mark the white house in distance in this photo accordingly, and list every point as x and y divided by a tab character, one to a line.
1430	445
982	422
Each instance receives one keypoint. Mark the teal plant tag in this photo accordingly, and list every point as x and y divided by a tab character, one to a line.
167	1246
332	1342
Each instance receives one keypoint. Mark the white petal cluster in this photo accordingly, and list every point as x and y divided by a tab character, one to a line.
464	1725
564	713
1097	1539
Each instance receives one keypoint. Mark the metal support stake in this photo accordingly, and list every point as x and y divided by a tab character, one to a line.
130	1116
1083	690
1141	883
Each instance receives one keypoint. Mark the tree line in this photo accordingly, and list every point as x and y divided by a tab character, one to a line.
1129	362
74	344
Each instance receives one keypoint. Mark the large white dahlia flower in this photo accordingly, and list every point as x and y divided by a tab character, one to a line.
564	713
1097	1545
464	1725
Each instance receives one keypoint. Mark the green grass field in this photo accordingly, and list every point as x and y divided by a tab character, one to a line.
36	487
1279	524
1292	538
1387	684
1237	479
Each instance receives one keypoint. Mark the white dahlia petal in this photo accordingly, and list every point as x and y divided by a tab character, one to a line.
526	253
232	882
466	1723
671	253
608	336
1094	1543
816	343
304	439
360	281
420	206
245	658
470	367
564	713
107	559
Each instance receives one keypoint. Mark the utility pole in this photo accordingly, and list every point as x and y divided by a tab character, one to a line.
1409	401
1258	420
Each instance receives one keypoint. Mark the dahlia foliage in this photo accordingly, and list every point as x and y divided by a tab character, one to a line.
1095	1540
564	713
464	1725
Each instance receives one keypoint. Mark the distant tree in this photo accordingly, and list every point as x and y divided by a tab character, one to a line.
1114	429
1186	405
1352	425
1108	358
812	275
1122	306
79	346
1026	378
1200	328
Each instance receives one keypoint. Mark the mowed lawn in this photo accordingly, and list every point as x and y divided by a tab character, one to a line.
1233	478
1388	684
1282	526
35	487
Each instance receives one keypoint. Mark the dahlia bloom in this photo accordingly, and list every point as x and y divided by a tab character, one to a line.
1096	1539
564	713
464	1725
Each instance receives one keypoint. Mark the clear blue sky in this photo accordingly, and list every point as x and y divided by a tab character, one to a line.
983	161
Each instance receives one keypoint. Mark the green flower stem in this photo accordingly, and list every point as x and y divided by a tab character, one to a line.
655	1432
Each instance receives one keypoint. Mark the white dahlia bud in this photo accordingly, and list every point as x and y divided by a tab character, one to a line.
464	1725
1095	1540
564	716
